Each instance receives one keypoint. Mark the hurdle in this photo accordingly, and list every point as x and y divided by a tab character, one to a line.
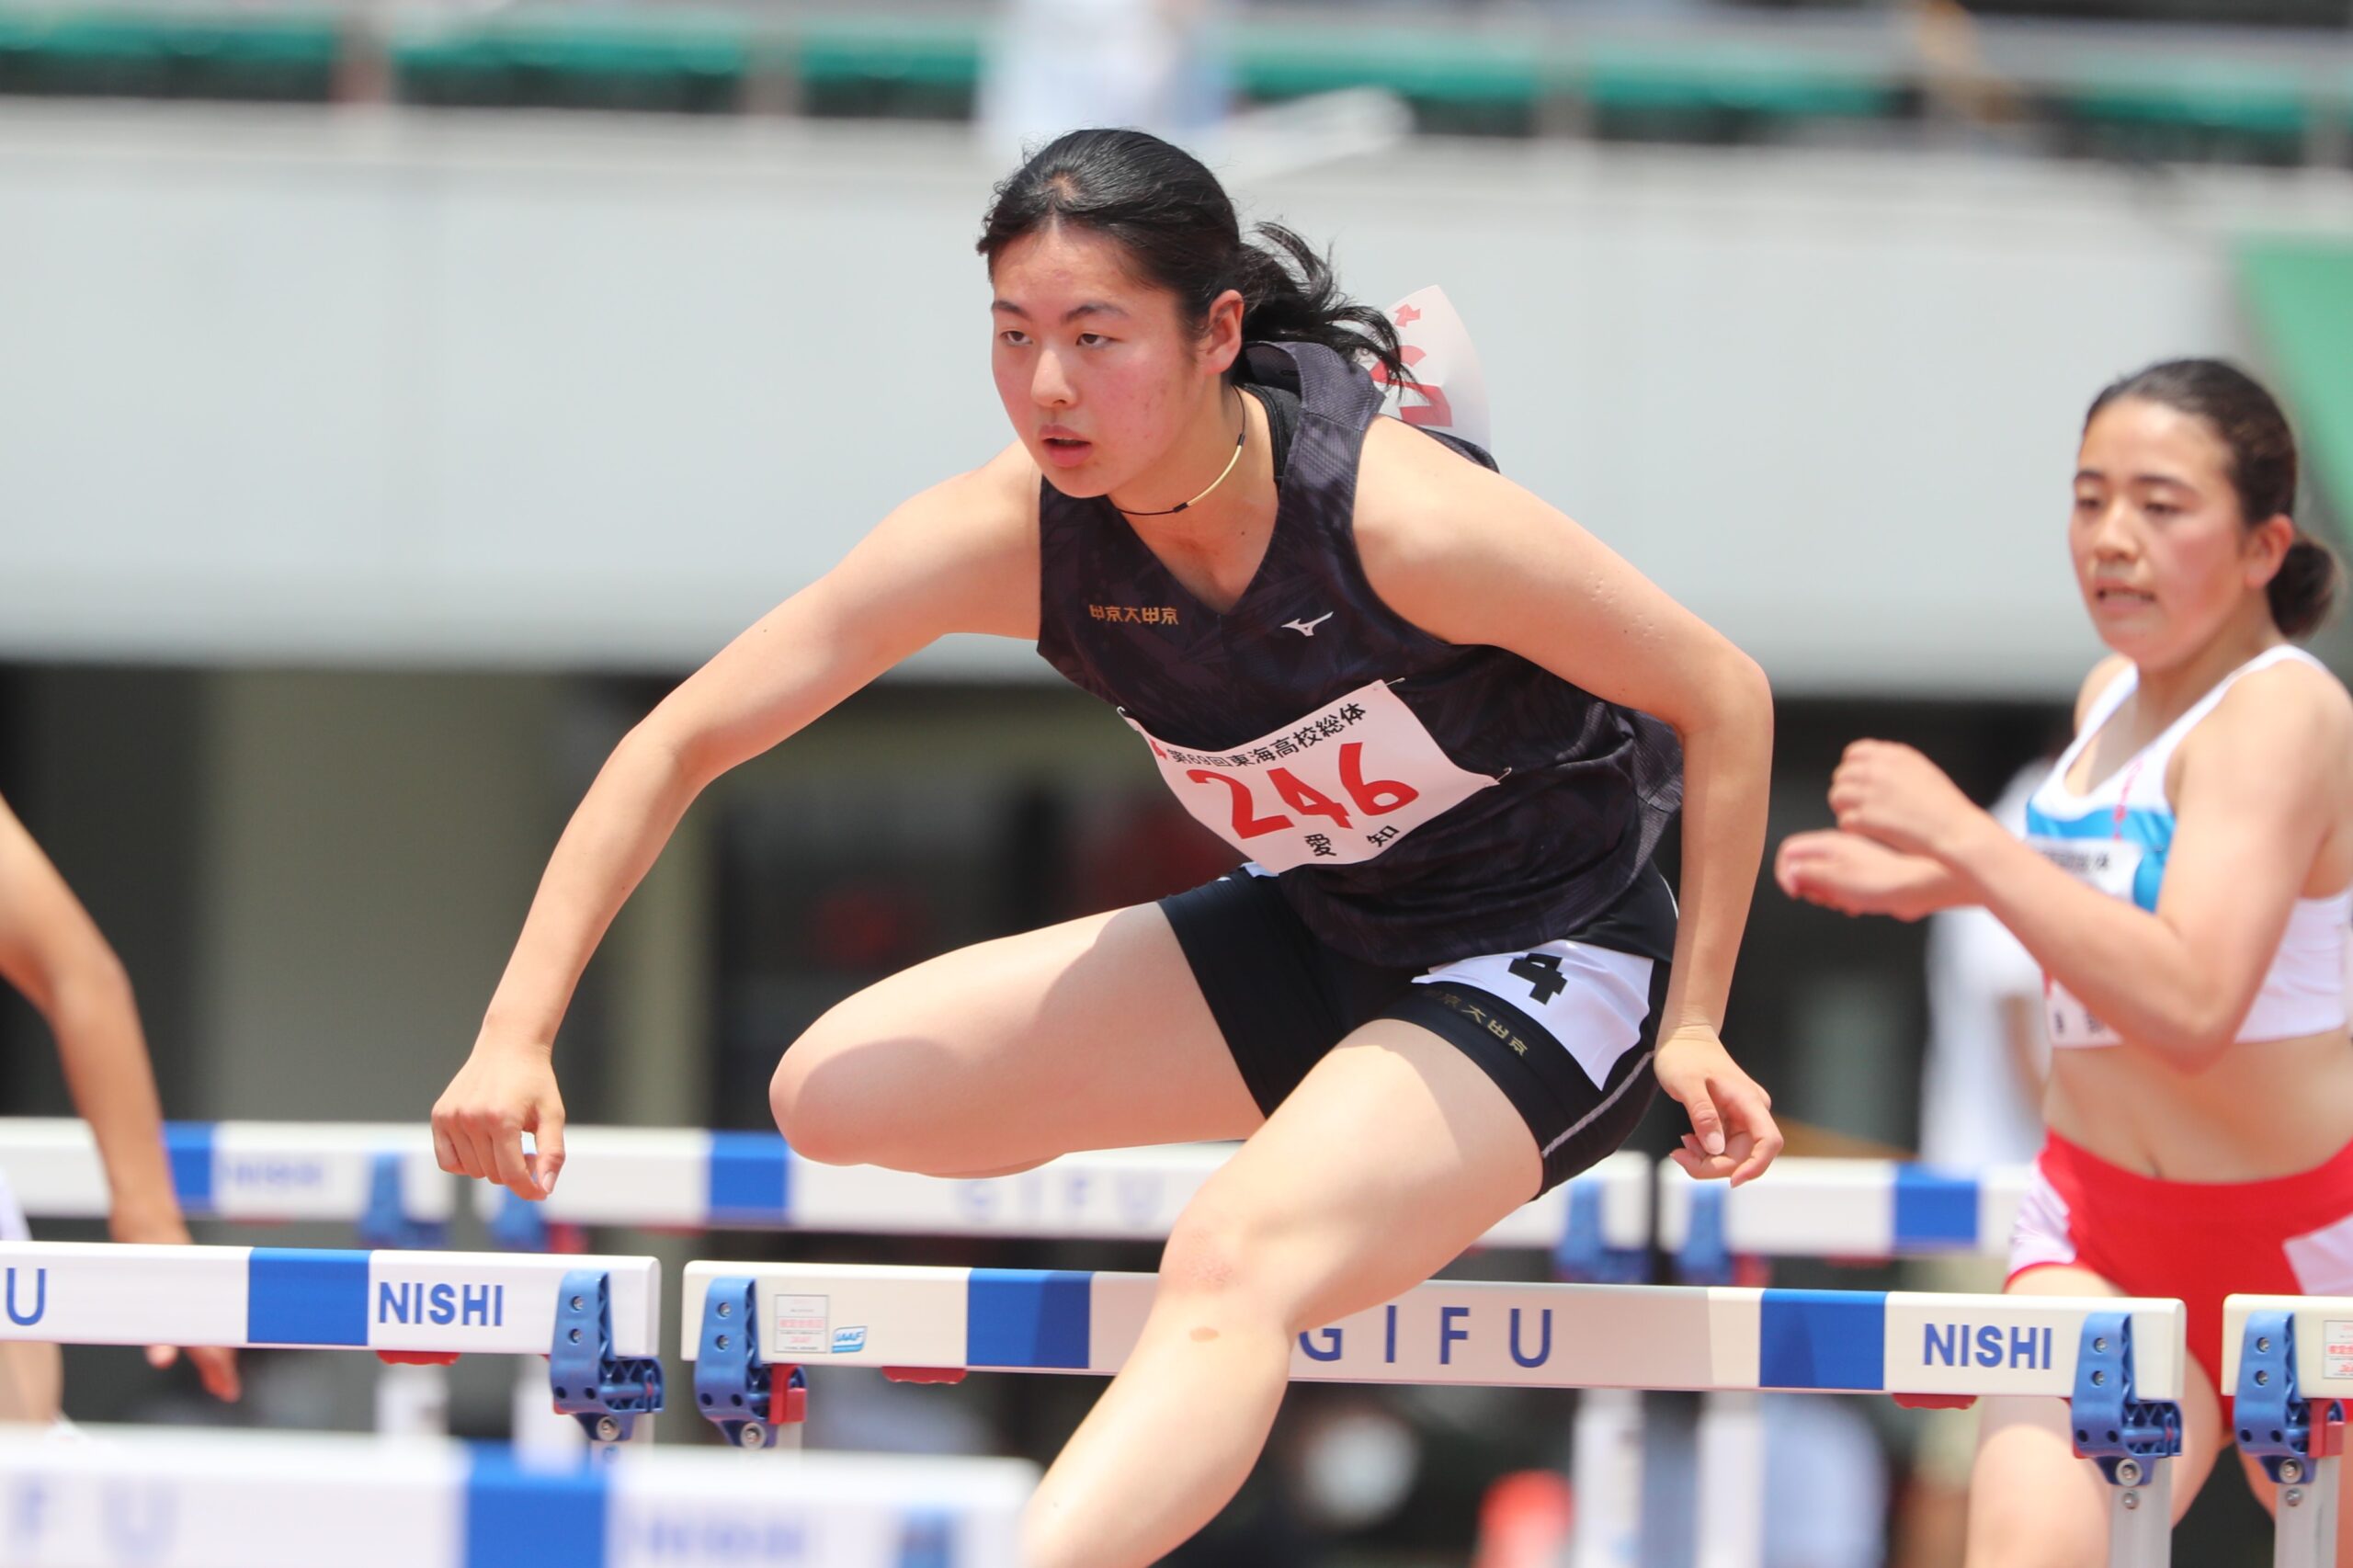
597	1320
1598	1225
2118	1363
231	1499
1851	1210
382	1179
1844	1211
1596	1229
2287	1361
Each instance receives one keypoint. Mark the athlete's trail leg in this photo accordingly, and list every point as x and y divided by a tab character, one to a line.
31	1378
1393	1154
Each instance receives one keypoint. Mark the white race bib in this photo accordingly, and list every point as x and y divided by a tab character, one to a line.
1337	786
2110	865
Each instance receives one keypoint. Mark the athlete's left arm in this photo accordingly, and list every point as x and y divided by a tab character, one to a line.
1471	557
53	953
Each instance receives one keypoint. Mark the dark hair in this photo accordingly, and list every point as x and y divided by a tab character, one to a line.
2250	422
1174	221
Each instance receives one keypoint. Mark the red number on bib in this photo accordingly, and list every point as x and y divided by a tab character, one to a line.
1246	825
1300	797
1373	797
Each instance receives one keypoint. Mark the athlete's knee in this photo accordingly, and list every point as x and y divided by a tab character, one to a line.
2033	1511
1221	1254
823	1104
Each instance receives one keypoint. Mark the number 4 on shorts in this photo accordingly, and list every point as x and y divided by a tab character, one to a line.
1542	972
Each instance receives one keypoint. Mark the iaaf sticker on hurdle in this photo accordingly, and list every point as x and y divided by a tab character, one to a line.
1343	783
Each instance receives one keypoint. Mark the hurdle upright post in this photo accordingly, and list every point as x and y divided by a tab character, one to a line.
1606	1439
2289	1361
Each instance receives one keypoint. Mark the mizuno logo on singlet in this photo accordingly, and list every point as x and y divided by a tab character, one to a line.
1307	627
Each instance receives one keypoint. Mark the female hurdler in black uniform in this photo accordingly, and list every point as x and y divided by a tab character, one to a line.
1415	697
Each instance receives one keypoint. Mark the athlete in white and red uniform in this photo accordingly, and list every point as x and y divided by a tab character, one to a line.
2184	883
1418	699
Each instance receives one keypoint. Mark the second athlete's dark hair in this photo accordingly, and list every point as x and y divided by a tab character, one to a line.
2262	444
1179	227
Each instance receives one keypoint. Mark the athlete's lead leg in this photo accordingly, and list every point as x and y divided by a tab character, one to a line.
1392	1156
1091	1034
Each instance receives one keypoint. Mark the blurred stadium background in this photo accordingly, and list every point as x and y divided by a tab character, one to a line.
394	397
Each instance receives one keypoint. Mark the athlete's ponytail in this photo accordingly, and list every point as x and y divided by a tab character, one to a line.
1179	227
2250	422
2305	588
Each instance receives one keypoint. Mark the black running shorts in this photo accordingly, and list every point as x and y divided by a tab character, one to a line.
1566	1029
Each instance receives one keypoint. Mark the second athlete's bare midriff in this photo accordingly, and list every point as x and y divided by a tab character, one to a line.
2267	1109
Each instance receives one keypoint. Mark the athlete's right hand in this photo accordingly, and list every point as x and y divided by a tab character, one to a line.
501	1092
1852	874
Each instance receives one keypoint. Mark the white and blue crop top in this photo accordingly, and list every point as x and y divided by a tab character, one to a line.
2116	837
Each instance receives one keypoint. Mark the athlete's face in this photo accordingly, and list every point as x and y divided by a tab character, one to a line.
1098	369
2163	556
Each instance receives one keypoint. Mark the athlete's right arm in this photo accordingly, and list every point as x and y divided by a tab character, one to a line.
960	557
1855	875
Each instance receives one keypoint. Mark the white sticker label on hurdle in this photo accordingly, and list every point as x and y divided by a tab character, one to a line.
799	1327
2337	1339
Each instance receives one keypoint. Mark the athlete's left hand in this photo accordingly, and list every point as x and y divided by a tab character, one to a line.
1892	793
1732	1116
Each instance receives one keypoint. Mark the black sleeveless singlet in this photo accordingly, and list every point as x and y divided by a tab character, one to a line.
1421	800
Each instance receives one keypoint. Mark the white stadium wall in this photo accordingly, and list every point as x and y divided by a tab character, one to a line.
414	388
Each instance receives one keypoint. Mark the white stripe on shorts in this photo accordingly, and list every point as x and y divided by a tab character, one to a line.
2039	1236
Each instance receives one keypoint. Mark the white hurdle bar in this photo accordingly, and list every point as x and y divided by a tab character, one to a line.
599	1319
2287	1361
176	1498
1859	1209
692	1180
383	1179
2119	1362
